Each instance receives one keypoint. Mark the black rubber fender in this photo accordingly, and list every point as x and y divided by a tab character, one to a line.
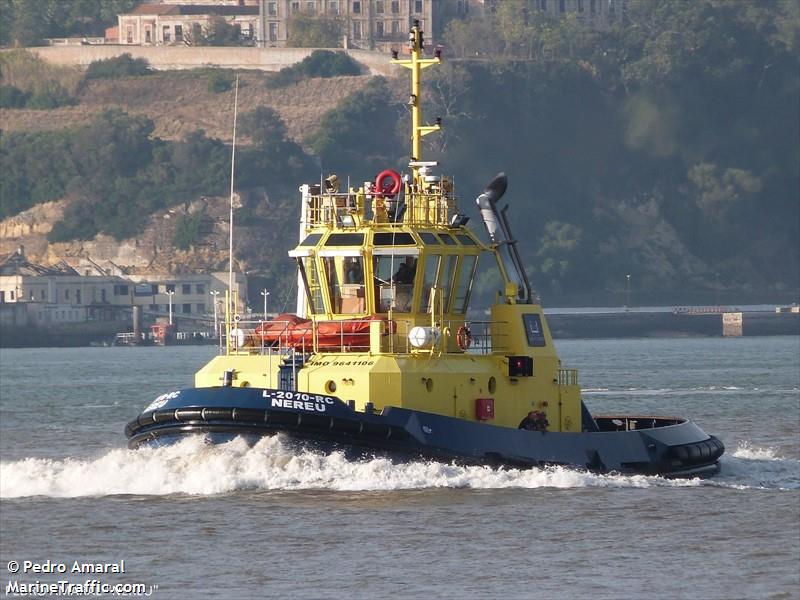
694	453
248	415
188	414
216	414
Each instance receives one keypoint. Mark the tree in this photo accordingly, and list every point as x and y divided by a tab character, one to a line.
219	33
30	23
306	31
360	133
117	67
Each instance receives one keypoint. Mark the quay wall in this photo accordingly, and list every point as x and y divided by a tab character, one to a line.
637	324
195	57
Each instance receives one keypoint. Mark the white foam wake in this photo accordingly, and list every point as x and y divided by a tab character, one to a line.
750	466
195	467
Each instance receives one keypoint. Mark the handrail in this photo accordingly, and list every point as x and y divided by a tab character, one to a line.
424	208
279	337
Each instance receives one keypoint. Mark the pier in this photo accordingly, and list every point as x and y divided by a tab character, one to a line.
668	321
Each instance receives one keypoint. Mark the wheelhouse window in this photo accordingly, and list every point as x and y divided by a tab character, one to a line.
432	262
446	280
394	282
311	283
464	284
345	278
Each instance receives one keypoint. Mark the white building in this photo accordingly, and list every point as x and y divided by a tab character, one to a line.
62	295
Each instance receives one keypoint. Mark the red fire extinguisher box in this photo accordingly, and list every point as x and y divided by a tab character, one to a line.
484	409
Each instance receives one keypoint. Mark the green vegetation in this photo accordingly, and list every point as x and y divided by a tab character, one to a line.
117	174
306	31
31	75
219	33
117	67
664	148
220	81
12	97
29	22
189	230
320	63
360	136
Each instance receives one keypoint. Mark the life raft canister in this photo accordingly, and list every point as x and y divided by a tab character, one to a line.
388	183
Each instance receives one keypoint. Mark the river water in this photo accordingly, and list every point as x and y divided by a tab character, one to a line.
196	521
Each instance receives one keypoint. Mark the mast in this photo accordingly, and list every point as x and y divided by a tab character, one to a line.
417	63
231	300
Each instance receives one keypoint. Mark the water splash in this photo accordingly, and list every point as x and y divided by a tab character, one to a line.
195	467
751	466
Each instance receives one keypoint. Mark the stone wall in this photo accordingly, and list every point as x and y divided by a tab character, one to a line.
187	57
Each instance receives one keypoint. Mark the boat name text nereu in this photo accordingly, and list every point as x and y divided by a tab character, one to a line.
298	400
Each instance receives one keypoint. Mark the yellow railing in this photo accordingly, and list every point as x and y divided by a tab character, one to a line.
431	207
568	377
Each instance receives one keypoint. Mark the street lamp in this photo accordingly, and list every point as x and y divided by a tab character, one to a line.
627	290
170	293
265	293
215	293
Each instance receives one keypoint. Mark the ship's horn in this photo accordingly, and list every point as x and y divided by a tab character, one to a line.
487	203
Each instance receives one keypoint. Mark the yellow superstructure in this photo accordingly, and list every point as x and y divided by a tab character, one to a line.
386	272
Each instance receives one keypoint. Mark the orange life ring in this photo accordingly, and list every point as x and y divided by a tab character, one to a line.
381	189
464	338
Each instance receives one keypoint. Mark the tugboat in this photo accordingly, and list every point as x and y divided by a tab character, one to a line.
381	356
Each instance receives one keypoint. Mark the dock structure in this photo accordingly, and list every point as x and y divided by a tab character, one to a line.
662	321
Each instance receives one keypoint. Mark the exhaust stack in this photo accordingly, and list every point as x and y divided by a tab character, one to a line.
499	230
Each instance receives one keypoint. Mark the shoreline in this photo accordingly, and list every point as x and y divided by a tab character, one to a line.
563	325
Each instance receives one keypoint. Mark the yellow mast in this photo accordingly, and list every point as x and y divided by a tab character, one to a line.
416	63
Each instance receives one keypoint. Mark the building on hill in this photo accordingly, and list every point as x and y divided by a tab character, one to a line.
367	24
63	294
177	24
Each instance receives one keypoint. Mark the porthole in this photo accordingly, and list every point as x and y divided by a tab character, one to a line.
492	385
330	386
429	384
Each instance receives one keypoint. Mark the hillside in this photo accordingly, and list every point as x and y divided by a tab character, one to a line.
180	102
659	154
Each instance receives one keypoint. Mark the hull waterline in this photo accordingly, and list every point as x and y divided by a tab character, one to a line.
672	448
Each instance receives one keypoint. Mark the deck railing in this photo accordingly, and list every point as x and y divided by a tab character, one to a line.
430	207
360	335
568	377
